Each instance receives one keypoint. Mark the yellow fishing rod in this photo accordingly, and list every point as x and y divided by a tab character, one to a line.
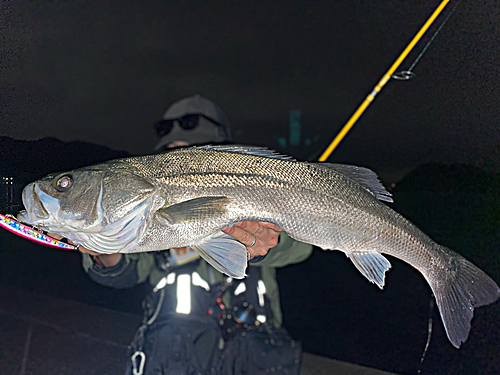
387	76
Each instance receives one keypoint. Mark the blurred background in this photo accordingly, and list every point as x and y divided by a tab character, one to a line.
82	82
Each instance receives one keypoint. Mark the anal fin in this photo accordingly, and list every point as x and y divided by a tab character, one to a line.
372	265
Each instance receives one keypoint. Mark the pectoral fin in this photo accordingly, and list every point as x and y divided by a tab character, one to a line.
372	265
224	253
194	209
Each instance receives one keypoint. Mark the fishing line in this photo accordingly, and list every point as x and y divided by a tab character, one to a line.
406	75
429	334
27	346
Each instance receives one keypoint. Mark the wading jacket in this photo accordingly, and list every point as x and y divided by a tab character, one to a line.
138	268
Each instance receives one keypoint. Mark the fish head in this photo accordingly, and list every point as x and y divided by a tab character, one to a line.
72	199
101	207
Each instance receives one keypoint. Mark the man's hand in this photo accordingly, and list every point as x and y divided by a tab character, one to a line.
264	234
107	260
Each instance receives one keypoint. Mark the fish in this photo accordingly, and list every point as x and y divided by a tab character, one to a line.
185	196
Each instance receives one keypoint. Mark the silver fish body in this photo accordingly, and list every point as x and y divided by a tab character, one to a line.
184	197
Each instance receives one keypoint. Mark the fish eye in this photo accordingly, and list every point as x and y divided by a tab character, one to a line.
64	183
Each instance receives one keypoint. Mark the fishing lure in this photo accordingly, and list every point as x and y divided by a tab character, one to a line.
12	225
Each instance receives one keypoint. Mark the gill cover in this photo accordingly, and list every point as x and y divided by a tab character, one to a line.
124	209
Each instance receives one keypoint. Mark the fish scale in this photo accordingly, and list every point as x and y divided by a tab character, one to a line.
184	197
401	240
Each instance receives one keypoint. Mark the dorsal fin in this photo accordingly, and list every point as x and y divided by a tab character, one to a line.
363	176
250	150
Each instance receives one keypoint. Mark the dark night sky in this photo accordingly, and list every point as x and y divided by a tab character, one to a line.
103	72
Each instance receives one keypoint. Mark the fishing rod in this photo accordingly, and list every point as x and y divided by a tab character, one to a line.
385	78
403	75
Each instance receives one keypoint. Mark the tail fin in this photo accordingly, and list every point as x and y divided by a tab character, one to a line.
461	288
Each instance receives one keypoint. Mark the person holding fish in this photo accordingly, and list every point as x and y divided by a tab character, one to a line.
197	320
186	197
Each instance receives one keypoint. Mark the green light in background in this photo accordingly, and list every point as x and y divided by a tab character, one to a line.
295	127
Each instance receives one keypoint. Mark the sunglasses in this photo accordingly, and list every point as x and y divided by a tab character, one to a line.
187	122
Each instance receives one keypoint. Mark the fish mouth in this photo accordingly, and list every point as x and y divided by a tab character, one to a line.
35	212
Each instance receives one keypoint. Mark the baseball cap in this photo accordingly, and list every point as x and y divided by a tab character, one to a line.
195	120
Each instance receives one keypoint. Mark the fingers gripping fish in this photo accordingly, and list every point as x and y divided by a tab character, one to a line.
184	197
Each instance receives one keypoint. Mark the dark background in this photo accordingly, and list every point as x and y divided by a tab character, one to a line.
103	72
